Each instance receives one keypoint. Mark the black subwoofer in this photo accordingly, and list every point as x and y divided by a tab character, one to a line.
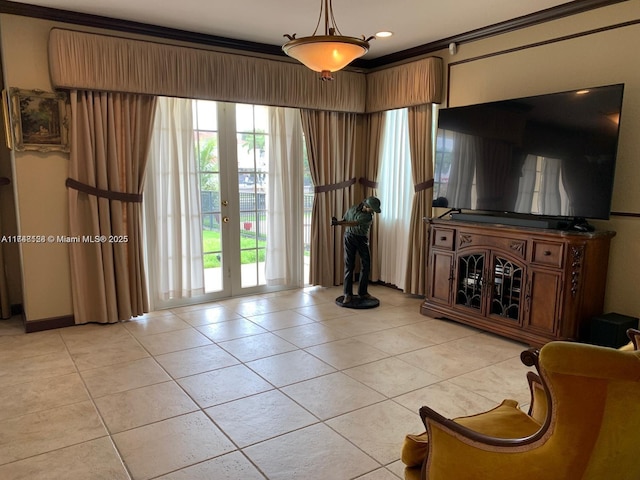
610	329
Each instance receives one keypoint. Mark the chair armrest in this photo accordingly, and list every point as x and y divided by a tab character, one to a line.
634	335
465	434
457	452
469	436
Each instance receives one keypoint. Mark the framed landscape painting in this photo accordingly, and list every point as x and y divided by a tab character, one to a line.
39	120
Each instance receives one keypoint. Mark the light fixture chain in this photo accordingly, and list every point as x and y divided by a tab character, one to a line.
327	29
333	20
319	19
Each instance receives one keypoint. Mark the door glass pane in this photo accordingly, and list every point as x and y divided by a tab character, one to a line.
253	185
206	140
244	118
470	281
507	282
211	231
206	116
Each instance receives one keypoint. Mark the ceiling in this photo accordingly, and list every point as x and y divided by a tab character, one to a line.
413	22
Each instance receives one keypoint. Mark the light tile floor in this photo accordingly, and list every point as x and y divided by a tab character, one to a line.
277	386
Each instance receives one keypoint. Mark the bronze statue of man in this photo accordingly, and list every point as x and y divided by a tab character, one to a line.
358	220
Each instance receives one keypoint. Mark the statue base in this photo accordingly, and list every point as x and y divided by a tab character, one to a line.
358	303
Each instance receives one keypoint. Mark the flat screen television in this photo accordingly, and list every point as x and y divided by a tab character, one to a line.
549	155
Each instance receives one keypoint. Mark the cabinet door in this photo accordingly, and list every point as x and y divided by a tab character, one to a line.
470	281
505	289
440	277
543	300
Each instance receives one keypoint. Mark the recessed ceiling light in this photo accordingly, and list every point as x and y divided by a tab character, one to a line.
383	34
582	92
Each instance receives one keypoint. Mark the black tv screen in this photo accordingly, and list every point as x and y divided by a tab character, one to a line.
552	155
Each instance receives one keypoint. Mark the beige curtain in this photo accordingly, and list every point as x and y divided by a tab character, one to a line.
420	133
110	136
331	146
373	128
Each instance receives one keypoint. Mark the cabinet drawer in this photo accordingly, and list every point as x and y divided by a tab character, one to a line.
442	238
548	253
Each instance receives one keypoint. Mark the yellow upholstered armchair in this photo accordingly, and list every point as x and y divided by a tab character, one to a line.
583	423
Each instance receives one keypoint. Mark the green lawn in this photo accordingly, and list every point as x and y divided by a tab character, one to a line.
211	243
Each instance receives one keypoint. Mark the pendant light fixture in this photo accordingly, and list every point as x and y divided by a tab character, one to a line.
329	52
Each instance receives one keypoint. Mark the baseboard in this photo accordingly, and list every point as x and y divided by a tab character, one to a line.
49	324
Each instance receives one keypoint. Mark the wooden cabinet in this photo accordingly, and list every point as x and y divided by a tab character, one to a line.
528	284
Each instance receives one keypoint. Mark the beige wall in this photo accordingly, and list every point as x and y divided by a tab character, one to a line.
41	200
8	226
601	58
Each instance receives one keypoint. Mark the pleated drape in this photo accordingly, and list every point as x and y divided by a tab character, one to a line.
420	133
89	61
110	136
331	147
374	128
411	84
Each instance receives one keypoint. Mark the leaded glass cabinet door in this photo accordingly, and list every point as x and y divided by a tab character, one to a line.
470	280
505	287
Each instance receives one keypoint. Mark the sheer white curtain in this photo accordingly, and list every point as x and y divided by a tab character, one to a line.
395	190
284	264
172	206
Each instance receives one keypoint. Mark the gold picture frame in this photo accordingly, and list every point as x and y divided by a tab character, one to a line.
6	122
39	120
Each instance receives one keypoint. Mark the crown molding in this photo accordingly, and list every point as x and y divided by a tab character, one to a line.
96	21
553	13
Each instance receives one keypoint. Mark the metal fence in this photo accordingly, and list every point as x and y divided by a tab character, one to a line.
250	221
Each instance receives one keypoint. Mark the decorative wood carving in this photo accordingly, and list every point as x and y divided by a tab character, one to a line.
517	247
577	254
464	239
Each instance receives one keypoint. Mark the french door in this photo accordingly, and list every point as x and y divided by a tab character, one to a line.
224	192
232	146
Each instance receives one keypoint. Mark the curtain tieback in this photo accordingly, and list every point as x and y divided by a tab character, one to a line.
367	183
334	186
98	192
423	186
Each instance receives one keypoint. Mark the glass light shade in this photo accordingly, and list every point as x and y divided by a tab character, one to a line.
324	53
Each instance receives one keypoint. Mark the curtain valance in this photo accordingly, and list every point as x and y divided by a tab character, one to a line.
408	85
88	61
